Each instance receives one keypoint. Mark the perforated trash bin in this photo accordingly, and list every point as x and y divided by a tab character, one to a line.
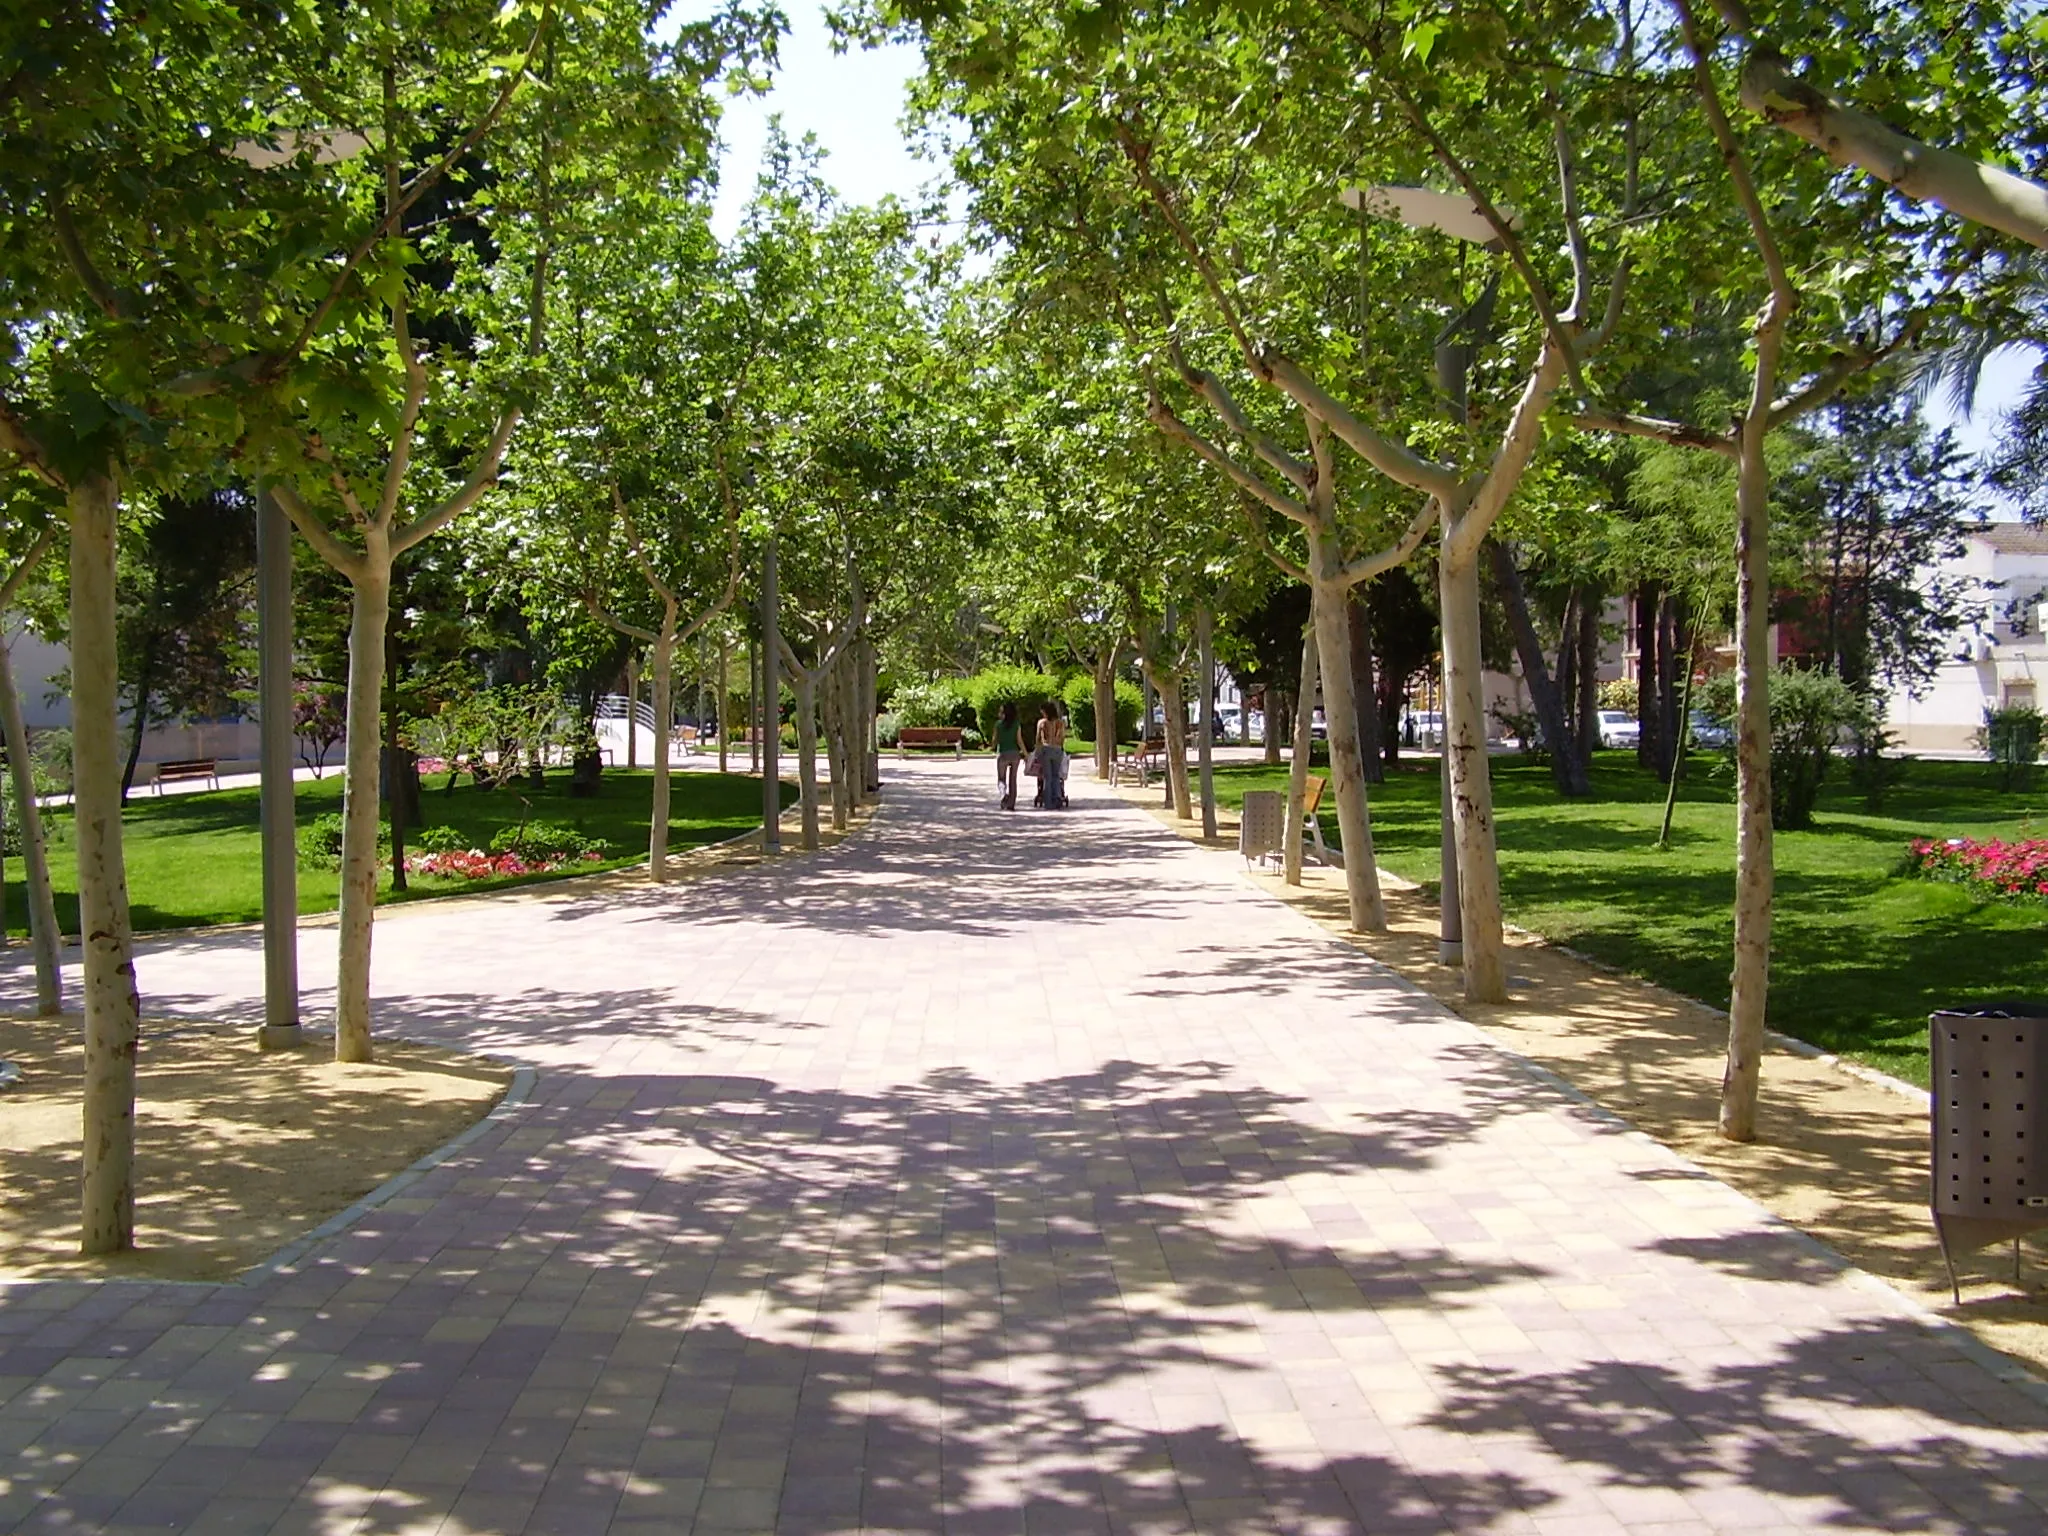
1988	1107
1260	823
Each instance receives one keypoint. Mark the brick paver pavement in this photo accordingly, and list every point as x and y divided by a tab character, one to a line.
994	1173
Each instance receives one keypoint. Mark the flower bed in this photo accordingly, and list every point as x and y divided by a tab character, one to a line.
1997	868
475	864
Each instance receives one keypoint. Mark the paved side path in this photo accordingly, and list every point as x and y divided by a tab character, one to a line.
994	1173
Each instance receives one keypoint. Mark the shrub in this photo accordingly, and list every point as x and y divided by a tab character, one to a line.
1810	712
319	840
888	729
2011	738
49	762
971	739
440	840
989	691
1078	694
1619	693
546	843
926	704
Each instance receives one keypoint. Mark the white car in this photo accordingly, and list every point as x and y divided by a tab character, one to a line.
1619	728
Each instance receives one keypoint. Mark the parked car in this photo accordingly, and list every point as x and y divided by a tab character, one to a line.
1709	734
1618	728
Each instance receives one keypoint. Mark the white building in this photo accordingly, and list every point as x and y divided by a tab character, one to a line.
1998	661
39	668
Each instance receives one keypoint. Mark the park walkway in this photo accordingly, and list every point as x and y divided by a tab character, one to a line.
991	1174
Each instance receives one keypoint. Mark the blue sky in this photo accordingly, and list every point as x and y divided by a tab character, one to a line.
851	101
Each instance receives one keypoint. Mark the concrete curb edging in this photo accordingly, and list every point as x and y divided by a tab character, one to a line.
517	1093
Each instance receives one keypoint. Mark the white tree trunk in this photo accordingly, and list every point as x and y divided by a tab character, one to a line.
838	758
44	938
1331	612
870	712
664	704
1174	726
1749	983
369	615
1105	714
1486	976
113	1011
1304	746
807	751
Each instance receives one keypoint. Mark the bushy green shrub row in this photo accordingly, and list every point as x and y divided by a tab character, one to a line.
973	703
1079	694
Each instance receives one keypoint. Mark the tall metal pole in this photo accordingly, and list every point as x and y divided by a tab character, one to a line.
771	704
702	690
753	704
280	1028
1203	751
724	695
1450	932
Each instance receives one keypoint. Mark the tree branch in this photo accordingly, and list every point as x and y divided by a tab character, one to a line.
1140	157
18	440
348	562
637	547
1224	404
1738	166
1677	433
732	572
1263	540
1539	291
1395	460
604	615
97	288
1518	445
1365	567
1163	417
481	479
26	566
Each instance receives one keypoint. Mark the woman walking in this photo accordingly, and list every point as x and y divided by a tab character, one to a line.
1009	754
1052	758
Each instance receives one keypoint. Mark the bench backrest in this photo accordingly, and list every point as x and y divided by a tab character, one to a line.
929	733
197	765
1313	795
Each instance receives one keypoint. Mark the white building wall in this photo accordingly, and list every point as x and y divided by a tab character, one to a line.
2001	659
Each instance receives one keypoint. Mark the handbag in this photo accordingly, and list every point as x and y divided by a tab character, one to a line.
1031	765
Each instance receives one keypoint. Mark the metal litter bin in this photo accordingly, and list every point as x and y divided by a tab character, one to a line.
1261	824
1988	1107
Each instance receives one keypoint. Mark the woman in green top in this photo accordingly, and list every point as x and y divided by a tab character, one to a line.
1009	753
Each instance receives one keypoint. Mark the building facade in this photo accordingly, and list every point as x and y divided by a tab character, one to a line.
1998	660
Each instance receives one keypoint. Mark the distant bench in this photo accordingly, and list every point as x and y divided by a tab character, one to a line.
928	736
188	772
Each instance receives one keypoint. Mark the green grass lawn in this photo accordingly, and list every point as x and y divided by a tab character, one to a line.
1860	954
194	859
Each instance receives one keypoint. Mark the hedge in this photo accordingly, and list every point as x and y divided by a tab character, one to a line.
1079	694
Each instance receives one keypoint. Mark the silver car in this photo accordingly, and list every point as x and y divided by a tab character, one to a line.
1618	728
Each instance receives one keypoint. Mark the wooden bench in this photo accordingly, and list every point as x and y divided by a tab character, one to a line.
1139	760
929	736
1312	822
188	772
